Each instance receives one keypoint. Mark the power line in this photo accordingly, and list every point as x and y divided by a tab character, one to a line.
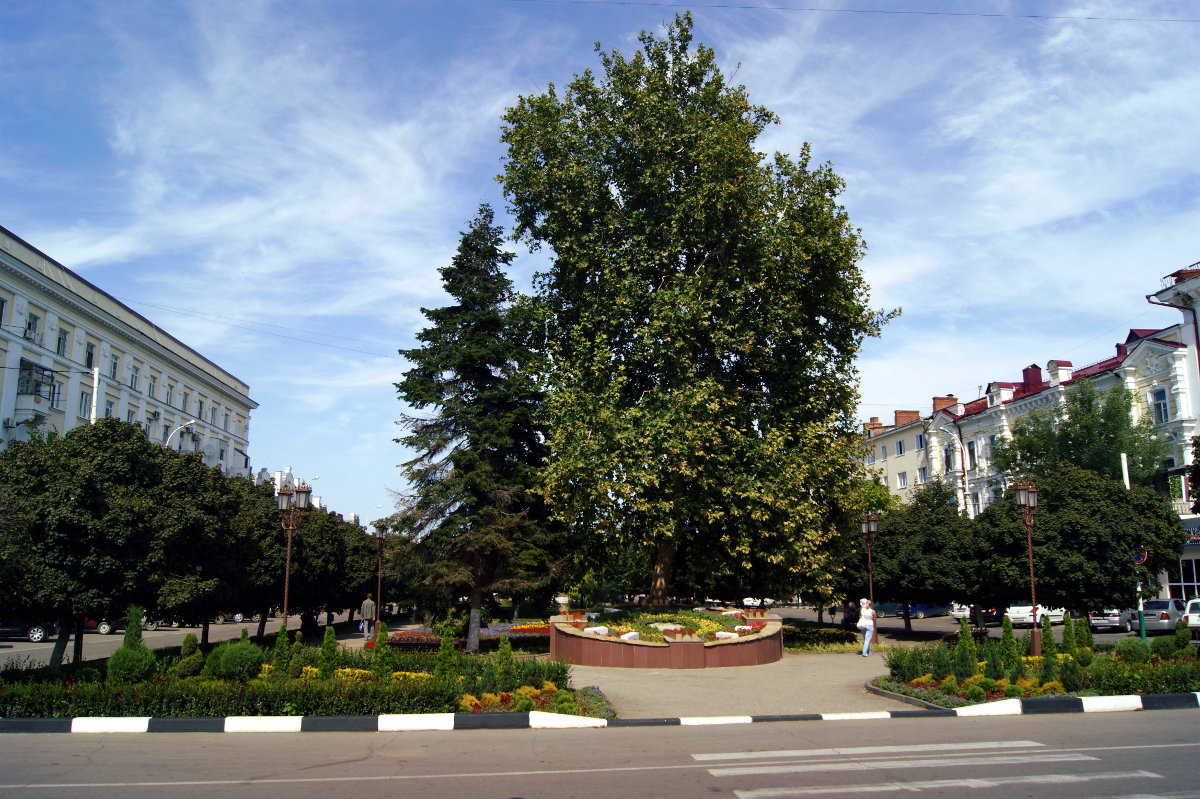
888	11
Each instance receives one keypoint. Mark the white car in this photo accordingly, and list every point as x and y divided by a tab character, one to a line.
1193	617
756	602
1020	613
960	611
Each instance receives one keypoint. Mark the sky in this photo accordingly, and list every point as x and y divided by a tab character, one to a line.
278	183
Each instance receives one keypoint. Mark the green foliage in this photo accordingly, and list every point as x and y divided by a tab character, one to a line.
690	284
1182	635
1069	646
133	626
1120	675
1018	670
189	646
446	664
384	656
1089	430
480	525
965	664
281	655
191	659
1166	646
1086	526
236	661
503	665
1083	633
1132	649
1049	670
328	658
1010	652
993	667
131	664
976	694
940	664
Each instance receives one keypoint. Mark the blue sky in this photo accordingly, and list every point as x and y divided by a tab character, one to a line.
277	184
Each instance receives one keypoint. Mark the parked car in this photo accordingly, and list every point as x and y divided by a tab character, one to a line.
1021	613
1160	614
757	602
990	615
1192	614
916	610
23	628
960	611
1109	619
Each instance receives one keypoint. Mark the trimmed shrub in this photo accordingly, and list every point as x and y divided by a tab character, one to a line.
191	660
1071	675
1183	635
964	658
1083	634
327	660
1132	649
1069	645
502	662
236	661
1165	646
1010	652
939	663
976	694
384	658
281	654
1049	670
131	664
992	667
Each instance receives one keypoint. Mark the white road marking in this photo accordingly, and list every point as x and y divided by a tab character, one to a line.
869	750
941	785
873	765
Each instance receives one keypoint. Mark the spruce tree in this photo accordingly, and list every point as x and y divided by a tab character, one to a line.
1049	652
1010	651
478	452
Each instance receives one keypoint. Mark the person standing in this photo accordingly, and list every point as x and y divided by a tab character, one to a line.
367	612
866	623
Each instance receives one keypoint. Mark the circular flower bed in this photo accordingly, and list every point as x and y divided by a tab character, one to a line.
703	625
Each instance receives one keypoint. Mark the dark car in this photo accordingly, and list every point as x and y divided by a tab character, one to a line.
19	628
916	610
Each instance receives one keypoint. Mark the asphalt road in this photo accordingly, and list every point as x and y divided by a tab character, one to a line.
1136	754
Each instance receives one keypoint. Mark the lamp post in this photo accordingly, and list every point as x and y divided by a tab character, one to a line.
167	442
292	504
380	529
870	529
1027	499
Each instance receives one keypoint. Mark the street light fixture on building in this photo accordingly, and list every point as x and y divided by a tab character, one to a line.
1027	500
292	504
870	529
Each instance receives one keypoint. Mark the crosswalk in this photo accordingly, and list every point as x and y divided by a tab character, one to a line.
841	771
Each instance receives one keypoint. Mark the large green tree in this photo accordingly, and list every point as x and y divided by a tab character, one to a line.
481	527
927	551
704	310
1091	429
1086	531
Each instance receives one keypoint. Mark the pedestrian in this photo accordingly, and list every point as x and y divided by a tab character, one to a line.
866	623
367	611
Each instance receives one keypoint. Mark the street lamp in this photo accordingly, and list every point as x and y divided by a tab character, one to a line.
380	529
292	504
1027	500
167	442
870	529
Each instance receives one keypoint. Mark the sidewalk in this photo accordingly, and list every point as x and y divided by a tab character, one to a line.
799	683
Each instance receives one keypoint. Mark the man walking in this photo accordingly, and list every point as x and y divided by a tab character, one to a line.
367	612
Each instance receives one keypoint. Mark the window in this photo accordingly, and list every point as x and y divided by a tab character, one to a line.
61	346
975	503
151	384
114	366
883	452
133	377
212	416
199	409
170	393
166	432
225	424
948	459
919	441
1158	402
108	408
221	454
89	355
971	464
902	480
183	405
131	416
922	474
3	304
871	456
34	379
32	323
85	405
56	393
899	448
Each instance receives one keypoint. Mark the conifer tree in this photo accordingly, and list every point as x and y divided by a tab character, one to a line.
478	452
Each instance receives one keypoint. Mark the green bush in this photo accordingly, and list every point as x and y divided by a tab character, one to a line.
1083	634
993	669
1117	676
1049	670
281	654
1183	635
939	662
976	694
327	660
236	661
1010	652
1164	646
131	664
1071	675
1069	644
1132	649
502	662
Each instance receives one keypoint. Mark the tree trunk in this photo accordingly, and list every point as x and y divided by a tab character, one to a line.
204	635
65	625
77	652
473	620
262	625
664	563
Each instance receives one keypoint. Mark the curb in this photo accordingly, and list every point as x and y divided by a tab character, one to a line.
538	720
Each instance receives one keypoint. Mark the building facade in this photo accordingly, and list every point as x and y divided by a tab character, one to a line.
1159	368
72	353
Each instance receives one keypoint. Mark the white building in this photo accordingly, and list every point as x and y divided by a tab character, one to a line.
1159	368
71	353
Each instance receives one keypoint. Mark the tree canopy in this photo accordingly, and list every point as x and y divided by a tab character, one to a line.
480	526
1090	430
703	313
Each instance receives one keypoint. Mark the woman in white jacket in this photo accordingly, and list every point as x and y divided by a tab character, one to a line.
866	623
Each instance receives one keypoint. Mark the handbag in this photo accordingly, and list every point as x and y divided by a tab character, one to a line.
863	622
